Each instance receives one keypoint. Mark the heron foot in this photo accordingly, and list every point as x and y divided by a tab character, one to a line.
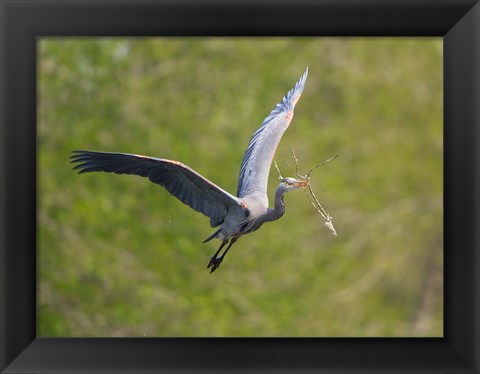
214	263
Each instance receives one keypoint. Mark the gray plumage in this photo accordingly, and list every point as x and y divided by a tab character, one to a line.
261	148
233	215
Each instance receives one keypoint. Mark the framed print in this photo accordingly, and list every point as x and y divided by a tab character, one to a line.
102	273
125	226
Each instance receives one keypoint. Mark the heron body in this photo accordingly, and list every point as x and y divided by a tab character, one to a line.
233	215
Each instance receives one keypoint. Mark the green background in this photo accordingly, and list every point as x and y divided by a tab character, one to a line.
119	256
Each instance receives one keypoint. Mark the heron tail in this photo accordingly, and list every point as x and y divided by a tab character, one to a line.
211	236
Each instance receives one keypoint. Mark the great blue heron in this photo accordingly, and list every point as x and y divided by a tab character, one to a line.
235	215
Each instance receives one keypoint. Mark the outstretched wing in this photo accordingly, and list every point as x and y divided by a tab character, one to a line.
181	181
261	149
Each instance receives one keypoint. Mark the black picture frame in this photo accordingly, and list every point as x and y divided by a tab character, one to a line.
22	22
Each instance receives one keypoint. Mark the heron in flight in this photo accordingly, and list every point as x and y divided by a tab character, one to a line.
233	215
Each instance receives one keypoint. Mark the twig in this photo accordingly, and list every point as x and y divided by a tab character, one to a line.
328	218
297	172
288	165
320	164
276	166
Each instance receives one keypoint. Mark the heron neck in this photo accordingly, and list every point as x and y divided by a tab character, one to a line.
279	207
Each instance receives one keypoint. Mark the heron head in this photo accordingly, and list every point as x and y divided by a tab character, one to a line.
290	184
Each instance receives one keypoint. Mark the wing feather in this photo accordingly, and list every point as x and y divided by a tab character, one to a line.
259	154
181	181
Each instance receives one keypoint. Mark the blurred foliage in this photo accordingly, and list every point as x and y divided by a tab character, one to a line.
119	256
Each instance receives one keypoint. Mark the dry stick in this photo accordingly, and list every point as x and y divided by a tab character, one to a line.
288	165
328	218
320	164
276	166
318	207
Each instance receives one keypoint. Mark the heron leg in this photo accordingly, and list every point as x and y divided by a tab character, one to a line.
214	257
216	261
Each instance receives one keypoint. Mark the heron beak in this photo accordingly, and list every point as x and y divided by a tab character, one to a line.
299	184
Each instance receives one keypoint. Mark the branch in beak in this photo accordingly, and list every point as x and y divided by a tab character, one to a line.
303	183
